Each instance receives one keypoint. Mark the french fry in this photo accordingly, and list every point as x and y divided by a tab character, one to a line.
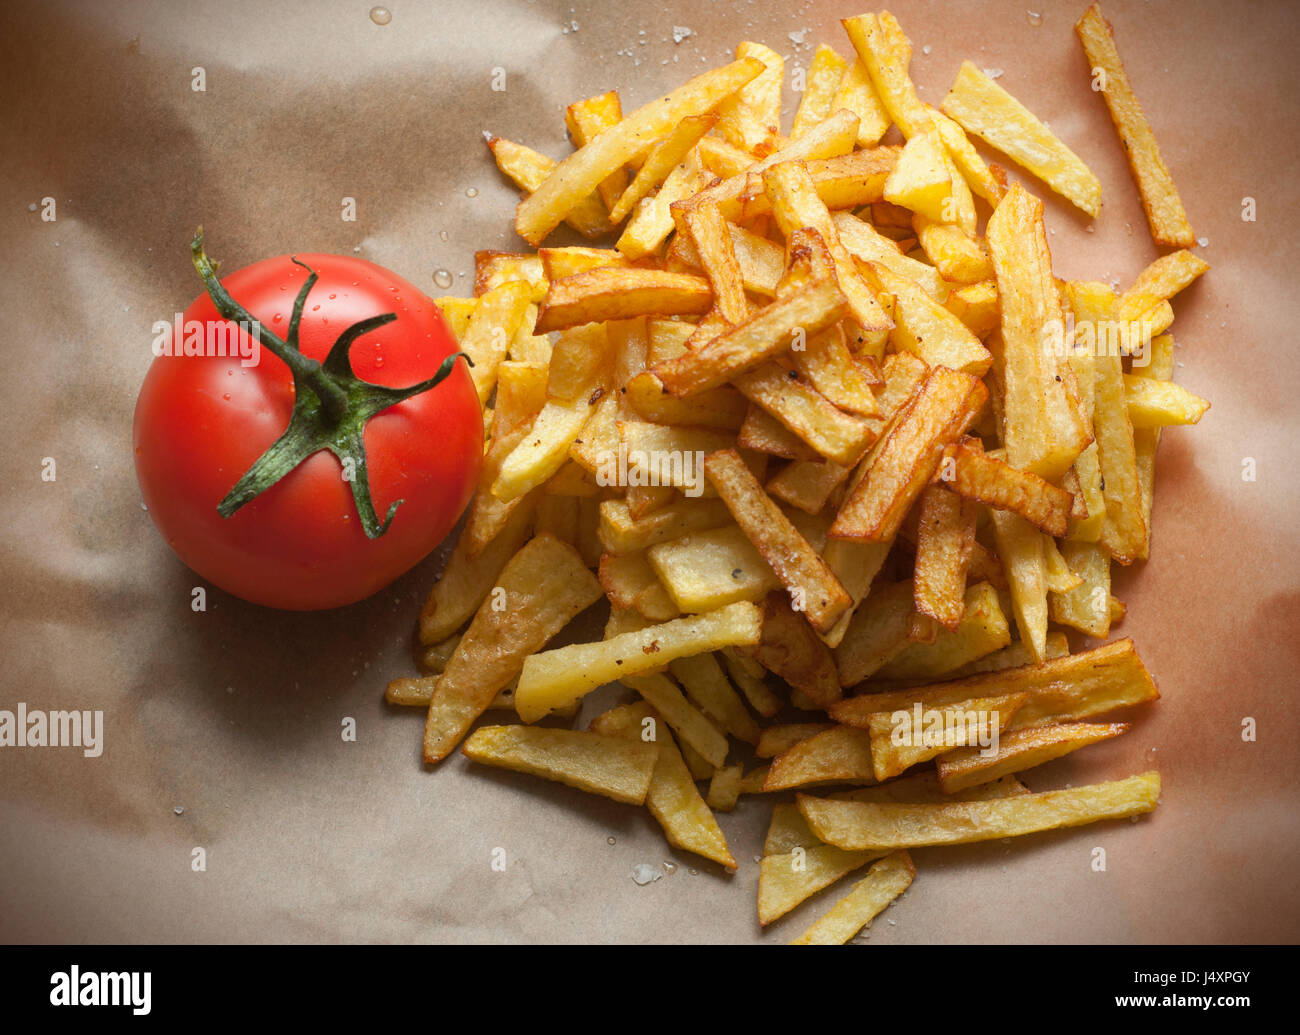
886	63
1020	546
1019	750
821	85
688	722
841	754
1163	279
775	740
807	577
981	630
806	413
856	94
468	578
1160	404
1014	655
765	434
495	321
660	162
876	633
787	879
554	678
902	739
978	476
751	118
617	293
861	826
921	181
748	675
767	333
619	533
541	589
492	269
790	648
1164	208
717	408
586	120
609	766
724	787
927	330
558	263
761	261
529	169
982	180
703	571
579	174
707	686
713	244
1043	426
1064	689
958	256
1146	440
1087	606
652	221
885	881
672	797
945	538
865	242
906	457
984	108
796	205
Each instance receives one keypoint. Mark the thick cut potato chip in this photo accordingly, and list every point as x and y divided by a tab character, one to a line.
584	170
885	881
1164	208
761	261
984	108
876	633
1043	427
660	162
487	339
673	799
542	588
616	768
554	678
905	459
856	94
585	121
1019	750
860	826
812	585
708	229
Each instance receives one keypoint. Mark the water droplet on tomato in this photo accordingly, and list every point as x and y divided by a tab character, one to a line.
277	318
226	396
442	278
379	361
314	308
333	295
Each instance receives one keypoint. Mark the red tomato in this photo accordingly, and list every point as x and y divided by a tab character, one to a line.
202	421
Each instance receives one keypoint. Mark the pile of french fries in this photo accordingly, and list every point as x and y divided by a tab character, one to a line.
832	455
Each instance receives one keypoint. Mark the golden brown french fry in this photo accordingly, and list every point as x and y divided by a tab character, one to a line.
1064	689
821	84
806	413
975	475
619	533
906	457
841	754
748	675
1160	404
982	630
768	332
775	740
672	798
586	120
558	263
529	169
554	678
610	766
707	686
713	244
945	538
792	650
1043	426
861	826
902	739
1019	750
724	787
886	63
926	329
688	722
856	94
787	879
492	269
1087	606
1163	279
1020	546
580	173
539	591
709	569
761	261
1164	208
922	180
468	578
984	108
751	118
1146	440
813	588
617	293
885	881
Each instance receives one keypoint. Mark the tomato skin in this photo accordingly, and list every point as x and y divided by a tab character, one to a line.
202	421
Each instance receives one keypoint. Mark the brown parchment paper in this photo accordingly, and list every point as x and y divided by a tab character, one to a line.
234	715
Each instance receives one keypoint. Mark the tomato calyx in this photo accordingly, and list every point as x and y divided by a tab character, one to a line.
331	403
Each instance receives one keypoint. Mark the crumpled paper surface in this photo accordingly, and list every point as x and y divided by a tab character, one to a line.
223	728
